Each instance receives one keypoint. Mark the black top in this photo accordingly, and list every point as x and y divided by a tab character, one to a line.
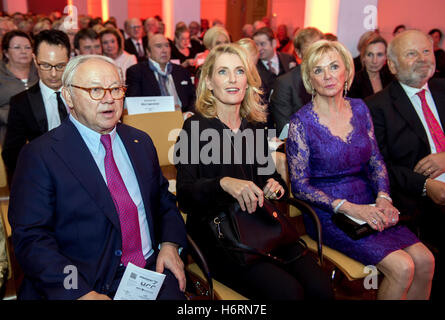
199	193
440	63
362	87
194	50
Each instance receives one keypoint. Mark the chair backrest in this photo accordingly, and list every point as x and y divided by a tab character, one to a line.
162	127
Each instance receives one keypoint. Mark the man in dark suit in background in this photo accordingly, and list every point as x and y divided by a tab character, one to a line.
135	44
40	108
158	77
271	63
409	117
90	196
289	94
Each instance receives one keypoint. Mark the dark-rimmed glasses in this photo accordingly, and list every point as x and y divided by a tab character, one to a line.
98	93
48	67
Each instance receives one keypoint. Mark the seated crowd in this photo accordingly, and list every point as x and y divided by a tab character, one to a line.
363	137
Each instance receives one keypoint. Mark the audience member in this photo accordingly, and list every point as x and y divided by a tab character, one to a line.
112	43
135	44
333	127
204	189
289	94
70	29
17	72
90	194
183	50
272	63
151	27
283	38
360	44
41	25
247	31
195	40
213	37
439	53
375	75
40	108
26	26
258	25
84	21
86	41
408	116
158	77
252	50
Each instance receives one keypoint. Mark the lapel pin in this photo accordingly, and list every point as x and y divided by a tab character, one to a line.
136	141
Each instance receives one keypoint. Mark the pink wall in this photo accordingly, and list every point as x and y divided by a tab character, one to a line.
288	12
424	15
144	8
213	9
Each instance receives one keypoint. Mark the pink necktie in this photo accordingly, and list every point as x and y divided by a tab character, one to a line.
434	126
125	207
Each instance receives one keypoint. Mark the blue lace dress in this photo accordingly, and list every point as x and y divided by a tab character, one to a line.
323	167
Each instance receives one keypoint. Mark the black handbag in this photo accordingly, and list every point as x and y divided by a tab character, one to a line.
248	237
353	229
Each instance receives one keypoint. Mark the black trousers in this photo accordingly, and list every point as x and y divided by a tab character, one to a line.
170	287
302	279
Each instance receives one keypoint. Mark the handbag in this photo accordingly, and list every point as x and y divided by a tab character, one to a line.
248	237
352	228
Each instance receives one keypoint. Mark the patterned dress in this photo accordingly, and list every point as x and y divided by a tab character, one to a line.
323	167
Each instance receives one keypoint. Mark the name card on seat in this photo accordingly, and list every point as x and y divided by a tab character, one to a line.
139	105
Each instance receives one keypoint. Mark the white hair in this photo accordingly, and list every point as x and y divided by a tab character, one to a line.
74	63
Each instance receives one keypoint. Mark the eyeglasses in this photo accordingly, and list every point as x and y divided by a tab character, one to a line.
135	27
48	67
98	93
27	48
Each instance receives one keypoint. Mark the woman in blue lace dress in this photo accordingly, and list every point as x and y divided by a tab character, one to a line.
335	165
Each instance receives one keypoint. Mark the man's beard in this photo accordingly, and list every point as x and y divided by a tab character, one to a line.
417	76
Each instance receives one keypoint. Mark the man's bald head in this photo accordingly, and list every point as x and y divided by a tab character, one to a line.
411	58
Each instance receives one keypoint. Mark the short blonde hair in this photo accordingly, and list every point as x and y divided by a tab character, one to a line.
251	107
248	45
314	53
211	35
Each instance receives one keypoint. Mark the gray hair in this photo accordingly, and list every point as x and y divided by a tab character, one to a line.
75	62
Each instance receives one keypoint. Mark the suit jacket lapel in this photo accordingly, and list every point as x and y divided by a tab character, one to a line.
406	110
141	169
38	107
439	100
71	148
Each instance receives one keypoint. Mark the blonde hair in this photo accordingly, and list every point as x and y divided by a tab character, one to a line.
212	34
314	53
250	47
251	107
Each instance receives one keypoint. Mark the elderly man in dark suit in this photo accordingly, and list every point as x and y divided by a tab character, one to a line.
409	117
271	63
289	94
159	77
40	108
90	196
135	44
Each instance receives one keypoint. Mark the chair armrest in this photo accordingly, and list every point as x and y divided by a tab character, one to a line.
304	207
202	263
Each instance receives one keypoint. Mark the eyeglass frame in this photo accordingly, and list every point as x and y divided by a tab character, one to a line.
21	48
124	89
51	66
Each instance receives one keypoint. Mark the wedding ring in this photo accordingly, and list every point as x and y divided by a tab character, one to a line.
374	221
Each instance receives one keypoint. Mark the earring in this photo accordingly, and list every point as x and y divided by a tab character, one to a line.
313	94
346	88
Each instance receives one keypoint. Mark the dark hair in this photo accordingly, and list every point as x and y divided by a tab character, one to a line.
109	21
267	31
400	26
114	32
52	37
83	34
180	30
434	31
8	37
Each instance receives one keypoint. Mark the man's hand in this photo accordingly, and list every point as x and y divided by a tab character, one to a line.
435	190
168	257
93	295
432	165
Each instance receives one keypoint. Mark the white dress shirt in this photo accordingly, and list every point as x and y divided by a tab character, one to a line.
51	107
415	100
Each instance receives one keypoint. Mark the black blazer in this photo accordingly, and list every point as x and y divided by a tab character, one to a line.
362	87
131	49
141	81
403	141
26	121
288	96
287	62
